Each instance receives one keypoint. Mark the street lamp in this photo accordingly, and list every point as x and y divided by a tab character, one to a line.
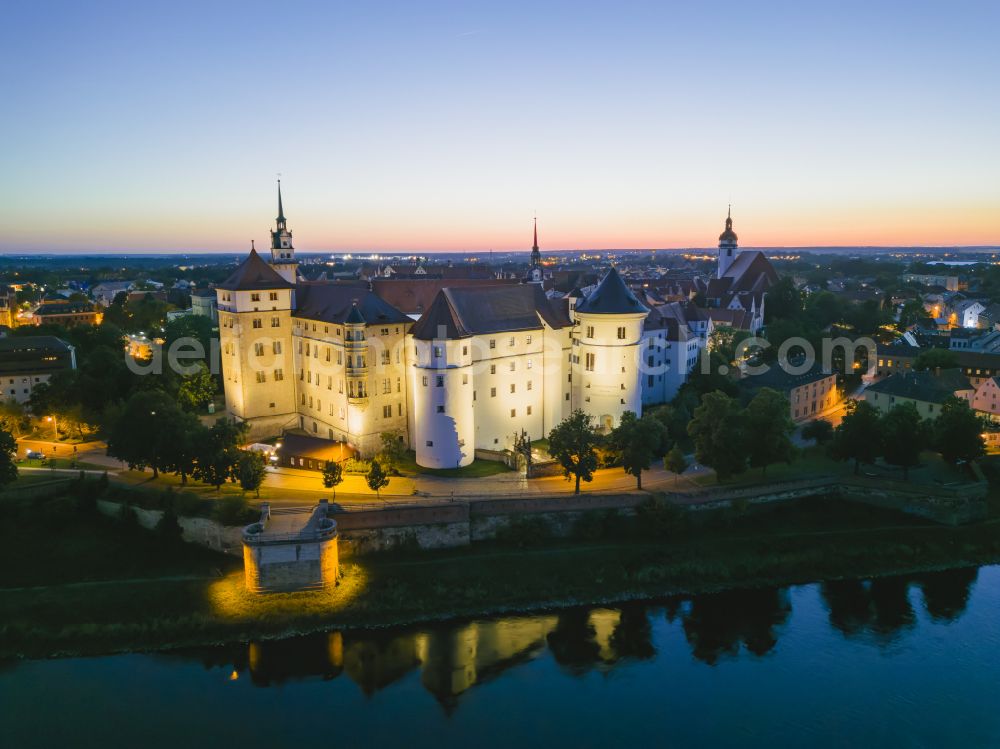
55	426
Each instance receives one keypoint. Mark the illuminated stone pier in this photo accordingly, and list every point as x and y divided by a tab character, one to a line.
290	549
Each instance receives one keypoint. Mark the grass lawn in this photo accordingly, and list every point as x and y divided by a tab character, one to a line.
476	469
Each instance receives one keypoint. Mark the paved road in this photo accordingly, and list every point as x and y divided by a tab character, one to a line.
306	486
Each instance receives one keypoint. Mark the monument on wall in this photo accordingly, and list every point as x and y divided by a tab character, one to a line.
290	549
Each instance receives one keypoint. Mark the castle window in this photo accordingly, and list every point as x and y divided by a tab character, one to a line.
328	353
385	357
527	340
274	296
437	352
429	443
384	331
590	331
399	409
465	379
529	363
399	385
493	368
276	347
512	340
513	387
529	410
513	366
589	361
256	322
567	396
493	343
465	350
386	386
329	382
529	385
340	357
440	409
261	377
513	412
258	348
493	392
255	297
621	333
387	412
424	378
439	381
279	375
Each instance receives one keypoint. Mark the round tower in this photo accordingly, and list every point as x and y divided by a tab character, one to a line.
443	405
606	377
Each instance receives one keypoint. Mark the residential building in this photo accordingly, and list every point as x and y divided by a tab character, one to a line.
29	361
926	390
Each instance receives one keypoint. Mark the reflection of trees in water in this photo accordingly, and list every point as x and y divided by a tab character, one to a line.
946	593
374	660
715	625
882	608
585	638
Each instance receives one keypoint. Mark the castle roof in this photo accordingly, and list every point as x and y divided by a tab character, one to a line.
461	312
414	297
337	303
926	386
254	274
611	297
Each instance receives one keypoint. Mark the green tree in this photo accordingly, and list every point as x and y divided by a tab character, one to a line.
376	478
8	452
572	442
217	452
141	433
196	390
935	358
904	436
769	429
819	430
675	462
784	301
392	450
168	526
638	441
333	476
858	437
958	432
251	470
718	432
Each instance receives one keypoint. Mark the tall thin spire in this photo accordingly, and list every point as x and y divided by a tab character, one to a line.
534	246
281	211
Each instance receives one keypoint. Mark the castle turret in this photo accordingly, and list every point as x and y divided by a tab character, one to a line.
727	246
606	367
444	433
282	253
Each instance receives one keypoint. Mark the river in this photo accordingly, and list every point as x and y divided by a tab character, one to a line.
894	662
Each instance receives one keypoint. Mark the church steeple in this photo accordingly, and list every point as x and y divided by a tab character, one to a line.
728	248
282	252
535	274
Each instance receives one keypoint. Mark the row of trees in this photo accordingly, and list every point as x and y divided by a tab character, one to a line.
900	434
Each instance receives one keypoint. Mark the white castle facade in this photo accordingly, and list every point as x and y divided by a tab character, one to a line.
479	366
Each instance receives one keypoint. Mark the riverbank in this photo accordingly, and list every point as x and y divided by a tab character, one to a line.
98	585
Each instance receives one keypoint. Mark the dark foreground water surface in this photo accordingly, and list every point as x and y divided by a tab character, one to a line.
907	661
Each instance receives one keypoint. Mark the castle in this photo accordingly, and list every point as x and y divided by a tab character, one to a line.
480	365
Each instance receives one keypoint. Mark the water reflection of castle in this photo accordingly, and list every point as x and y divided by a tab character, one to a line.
452	658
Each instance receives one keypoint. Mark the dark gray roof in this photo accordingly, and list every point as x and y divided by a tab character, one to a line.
778	379
336	303
461	312
253	275
923	386
611	297
41	353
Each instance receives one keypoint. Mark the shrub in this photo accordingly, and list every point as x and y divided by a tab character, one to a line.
127	515
658	518
234	510
168	525
353	465
590	525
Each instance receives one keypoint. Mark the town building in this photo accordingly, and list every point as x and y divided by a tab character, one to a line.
29	361
205	304
810	393
59	311
926	390
949	283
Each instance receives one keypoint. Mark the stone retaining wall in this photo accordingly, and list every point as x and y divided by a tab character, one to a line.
202	531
